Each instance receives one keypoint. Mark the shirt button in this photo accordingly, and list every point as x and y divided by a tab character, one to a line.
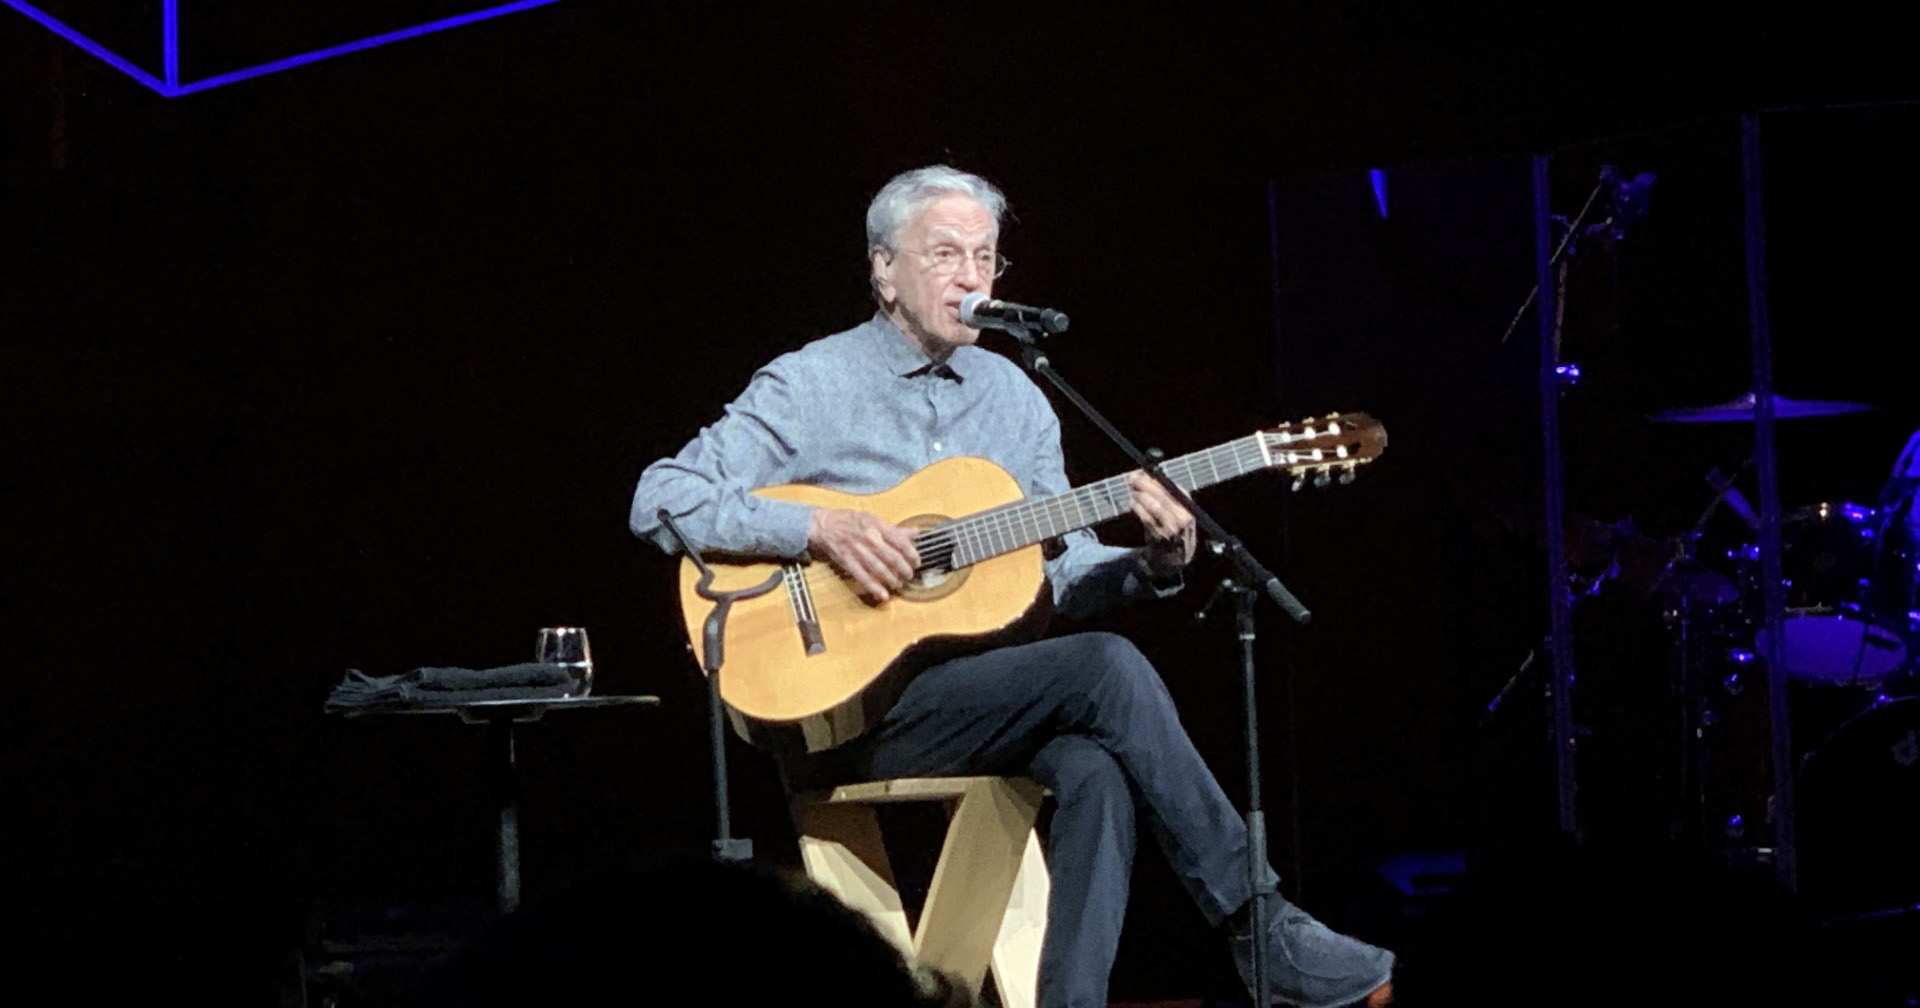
936	446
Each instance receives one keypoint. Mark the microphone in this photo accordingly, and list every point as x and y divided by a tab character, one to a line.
977	311
1630	199
1627	199
1736	501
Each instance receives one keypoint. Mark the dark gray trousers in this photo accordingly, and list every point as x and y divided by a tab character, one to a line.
1088	718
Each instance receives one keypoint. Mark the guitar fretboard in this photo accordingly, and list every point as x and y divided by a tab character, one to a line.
969	540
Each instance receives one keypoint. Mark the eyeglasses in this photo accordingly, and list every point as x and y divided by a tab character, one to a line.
945	259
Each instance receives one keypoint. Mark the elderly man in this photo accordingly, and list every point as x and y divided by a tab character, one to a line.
1085	715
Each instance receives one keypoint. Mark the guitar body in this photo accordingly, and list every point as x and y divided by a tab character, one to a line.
784	698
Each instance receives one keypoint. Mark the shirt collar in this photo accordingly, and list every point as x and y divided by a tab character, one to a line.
901	356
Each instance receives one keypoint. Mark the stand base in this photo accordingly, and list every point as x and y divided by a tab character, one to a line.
738	850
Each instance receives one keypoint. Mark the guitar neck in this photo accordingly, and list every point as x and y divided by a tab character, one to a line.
977	537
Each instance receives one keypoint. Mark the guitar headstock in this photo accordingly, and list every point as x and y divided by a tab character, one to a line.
1324	449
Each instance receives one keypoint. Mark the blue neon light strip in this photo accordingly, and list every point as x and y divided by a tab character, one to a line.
172	88
57	27
365	43
170	41
1379	179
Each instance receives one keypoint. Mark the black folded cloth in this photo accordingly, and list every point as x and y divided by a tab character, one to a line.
445	687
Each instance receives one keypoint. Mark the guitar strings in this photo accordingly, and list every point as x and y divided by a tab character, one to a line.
1018	520
1015	525
1025	518
799	592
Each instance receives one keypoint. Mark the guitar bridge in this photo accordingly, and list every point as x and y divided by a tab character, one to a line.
810	636
800	599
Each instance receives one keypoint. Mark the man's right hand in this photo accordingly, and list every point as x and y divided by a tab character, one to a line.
879	557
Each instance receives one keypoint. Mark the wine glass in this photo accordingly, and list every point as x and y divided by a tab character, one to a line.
567	647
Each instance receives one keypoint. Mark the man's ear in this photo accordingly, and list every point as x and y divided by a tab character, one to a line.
883	266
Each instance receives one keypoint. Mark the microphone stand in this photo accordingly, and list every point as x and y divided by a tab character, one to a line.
726	847
1250	577
1608	176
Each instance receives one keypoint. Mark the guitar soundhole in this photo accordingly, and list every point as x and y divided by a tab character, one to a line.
931	583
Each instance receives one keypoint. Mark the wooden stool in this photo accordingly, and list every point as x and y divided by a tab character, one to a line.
987	904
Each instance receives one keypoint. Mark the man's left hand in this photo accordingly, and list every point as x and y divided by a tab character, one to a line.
1171	537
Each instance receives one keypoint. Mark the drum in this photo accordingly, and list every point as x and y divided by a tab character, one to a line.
1859	813
1838	629
1732	743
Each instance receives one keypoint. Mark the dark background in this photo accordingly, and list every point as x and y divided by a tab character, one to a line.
355	365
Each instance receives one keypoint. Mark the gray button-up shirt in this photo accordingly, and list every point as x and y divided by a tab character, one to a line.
858	412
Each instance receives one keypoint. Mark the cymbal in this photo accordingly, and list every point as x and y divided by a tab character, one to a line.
1741	410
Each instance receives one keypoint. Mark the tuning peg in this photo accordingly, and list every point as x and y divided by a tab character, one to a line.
1298	482
1346	475
1321	478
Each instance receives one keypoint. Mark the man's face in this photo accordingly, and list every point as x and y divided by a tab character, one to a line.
945	254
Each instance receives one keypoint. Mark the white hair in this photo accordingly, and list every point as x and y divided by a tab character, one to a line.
906	193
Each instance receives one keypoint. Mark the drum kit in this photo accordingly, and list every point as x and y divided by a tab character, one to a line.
1849	651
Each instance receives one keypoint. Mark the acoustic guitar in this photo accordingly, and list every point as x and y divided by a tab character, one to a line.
810	664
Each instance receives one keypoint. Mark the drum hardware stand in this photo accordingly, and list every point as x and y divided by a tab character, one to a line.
1628	204
1549	276
726	846
1698	716
1772	601
1500	698
1701	695
1693	777
1579	587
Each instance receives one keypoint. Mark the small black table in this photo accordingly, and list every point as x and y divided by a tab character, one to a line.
500	717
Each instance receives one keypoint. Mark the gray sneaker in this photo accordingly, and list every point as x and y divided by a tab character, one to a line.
1309	964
